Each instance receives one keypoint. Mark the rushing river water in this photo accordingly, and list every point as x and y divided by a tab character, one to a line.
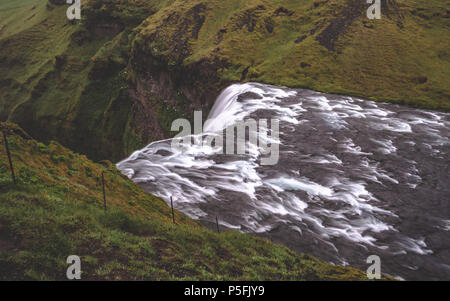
355	178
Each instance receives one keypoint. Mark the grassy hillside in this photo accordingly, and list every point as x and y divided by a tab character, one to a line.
115	80
325	45
56	210
64	80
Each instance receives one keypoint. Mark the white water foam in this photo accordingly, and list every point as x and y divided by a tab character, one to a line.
337	205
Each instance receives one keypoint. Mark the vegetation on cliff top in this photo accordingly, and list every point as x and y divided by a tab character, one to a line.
329	46
114	81
56	210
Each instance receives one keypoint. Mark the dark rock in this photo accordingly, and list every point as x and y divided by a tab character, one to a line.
300	39
282	11
198	19
248	95
340	23
347	16
60	60
244	74
57	2
420	79
304	65
269	25
164	153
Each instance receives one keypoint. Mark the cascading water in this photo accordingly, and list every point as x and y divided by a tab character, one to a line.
355	178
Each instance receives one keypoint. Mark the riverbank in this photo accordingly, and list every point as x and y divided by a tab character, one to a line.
351	178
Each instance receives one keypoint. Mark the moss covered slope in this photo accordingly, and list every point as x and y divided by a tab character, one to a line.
325	45
56	210
114	81
66	80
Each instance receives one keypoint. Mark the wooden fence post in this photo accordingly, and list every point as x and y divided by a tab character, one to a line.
13	176
104	192
173	214
217	223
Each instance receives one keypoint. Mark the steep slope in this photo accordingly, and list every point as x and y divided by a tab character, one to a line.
66	80
56	210
116	80
329	45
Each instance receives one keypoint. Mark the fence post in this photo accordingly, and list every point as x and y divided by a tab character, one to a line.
104	193
217	223
173	214
13	176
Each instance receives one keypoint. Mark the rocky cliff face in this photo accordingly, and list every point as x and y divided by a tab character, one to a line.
115	81
162	78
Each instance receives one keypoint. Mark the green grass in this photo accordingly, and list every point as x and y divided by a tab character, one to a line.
385	62
56	210
114	81
61	81
18	15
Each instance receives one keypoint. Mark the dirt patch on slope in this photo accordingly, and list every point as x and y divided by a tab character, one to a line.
353	10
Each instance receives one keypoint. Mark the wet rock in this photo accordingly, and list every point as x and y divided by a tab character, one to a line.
248	95
163	153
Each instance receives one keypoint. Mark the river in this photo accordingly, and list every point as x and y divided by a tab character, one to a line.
354	178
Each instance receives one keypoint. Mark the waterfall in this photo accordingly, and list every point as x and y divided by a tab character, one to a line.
352	177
